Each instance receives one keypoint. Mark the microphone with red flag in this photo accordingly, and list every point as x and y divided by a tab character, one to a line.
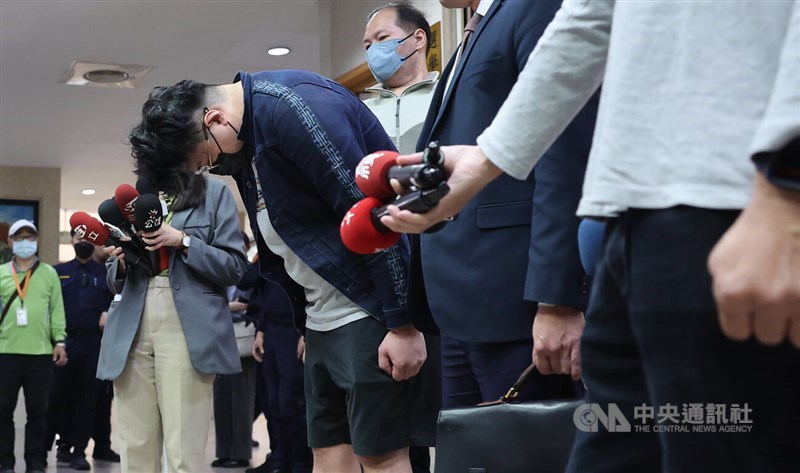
94	231
89	228
126	197
360	234
363	232
111	214
375	170
361	229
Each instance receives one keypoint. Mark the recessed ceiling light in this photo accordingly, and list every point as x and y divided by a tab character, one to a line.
280	51
88	192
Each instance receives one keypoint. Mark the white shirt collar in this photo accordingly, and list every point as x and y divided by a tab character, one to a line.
484	6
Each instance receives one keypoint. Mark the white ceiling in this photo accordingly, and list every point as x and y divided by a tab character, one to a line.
83	130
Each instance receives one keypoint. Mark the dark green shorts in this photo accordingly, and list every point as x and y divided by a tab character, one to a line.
349	400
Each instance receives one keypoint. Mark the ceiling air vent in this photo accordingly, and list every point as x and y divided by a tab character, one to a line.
105	75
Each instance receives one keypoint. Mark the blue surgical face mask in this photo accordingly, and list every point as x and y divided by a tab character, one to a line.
383	60
25	249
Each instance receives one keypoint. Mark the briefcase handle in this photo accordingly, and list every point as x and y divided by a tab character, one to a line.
514	391
523	379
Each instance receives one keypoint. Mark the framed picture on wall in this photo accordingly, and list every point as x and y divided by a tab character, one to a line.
12	210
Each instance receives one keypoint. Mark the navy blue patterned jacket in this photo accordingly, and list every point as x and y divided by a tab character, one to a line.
308	134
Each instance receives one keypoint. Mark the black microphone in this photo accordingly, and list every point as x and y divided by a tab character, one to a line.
426	175
419	201
110	214
149	217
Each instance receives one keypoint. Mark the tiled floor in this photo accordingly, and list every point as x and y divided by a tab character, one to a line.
259	433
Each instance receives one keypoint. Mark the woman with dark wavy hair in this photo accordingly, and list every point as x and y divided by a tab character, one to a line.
170	333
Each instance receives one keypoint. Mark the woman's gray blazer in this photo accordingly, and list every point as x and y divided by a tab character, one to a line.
215	260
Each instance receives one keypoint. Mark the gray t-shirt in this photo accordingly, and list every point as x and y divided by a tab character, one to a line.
327	308
690	90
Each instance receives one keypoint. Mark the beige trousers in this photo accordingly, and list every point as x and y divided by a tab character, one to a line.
160	398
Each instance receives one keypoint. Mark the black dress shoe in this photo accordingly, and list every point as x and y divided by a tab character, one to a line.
219	461
262	468
79	463
63	454
106	455
267	468
233	464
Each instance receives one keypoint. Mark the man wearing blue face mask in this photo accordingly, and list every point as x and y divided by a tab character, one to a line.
397	39
32	334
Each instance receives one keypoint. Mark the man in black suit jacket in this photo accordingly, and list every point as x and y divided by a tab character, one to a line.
513	246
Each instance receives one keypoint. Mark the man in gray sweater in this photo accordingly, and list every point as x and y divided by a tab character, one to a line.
691	91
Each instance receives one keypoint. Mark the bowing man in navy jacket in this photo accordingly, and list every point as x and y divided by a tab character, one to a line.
515	244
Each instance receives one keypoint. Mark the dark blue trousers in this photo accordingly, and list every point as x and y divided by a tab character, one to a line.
474	372
102	417
74	395
285	405
652	339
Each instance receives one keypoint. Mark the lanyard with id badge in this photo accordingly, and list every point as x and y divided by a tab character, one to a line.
22	291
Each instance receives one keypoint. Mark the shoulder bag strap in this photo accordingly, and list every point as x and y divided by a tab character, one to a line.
14	296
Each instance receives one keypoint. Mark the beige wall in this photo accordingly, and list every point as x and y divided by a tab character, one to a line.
44	185
348	19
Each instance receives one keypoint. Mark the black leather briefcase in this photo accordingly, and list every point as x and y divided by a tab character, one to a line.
503	437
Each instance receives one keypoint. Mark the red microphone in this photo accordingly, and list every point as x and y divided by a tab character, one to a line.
372	174
359	233
375	171
92	230
89	228
125	198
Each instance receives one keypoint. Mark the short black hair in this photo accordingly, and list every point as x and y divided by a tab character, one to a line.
409	17
171	129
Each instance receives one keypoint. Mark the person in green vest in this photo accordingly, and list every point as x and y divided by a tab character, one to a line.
32	334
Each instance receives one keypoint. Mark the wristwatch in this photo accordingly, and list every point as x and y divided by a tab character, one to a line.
185	240
61	343
782	167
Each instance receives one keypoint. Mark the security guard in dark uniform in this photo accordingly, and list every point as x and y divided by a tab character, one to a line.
277	348
75	387
102	414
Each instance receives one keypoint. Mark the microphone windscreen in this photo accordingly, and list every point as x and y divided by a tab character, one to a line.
125	197
358	233
109	213
148	212
144	187
372	174
88	228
